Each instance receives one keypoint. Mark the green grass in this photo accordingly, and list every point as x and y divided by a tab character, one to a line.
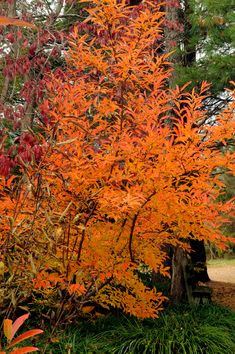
207	329
221	262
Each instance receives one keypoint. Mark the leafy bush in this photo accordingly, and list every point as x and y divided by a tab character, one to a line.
110	183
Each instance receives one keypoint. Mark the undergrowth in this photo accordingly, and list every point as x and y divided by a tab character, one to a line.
207	329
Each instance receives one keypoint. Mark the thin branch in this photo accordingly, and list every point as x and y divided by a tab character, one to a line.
78	124
134	223
60	16
131	237
84	233
94	291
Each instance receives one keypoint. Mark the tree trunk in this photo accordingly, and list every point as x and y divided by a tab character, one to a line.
178	281
198	258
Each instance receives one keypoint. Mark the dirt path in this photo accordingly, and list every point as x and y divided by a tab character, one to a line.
224	273
223	284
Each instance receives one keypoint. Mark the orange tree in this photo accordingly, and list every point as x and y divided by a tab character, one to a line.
128	168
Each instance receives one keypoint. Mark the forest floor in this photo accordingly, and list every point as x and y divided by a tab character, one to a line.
222	275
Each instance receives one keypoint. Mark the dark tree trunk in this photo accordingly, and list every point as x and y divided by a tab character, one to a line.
187	271
198	258
178	281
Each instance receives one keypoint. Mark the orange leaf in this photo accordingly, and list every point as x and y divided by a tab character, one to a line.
7	328
26	335
24	350
87	309
4	21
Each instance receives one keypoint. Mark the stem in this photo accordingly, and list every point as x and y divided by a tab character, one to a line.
84	233
131	237
134	223
94	291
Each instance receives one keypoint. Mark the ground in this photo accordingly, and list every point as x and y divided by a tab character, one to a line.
222	275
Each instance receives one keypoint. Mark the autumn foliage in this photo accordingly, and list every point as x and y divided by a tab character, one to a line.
128	167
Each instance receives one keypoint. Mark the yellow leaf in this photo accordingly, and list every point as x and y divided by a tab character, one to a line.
98	314
33	268
2	266
55	340
7	328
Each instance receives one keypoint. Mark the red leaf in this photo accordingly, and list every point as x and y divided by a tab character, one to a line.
26	335
24	350
18	323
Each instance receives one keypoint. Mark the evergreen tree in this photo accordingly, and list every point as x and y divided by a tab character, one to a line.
201	34
204	46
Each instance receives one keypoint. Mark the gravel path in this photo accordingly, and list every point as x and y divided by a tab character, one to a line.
223	284
222	273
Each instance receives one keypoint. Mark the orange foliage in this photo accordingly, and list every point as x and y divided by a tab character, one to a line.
5	21
129	167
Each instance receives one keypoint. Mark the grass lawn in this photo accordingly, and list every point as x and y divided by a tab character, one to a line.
205	329
221	262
